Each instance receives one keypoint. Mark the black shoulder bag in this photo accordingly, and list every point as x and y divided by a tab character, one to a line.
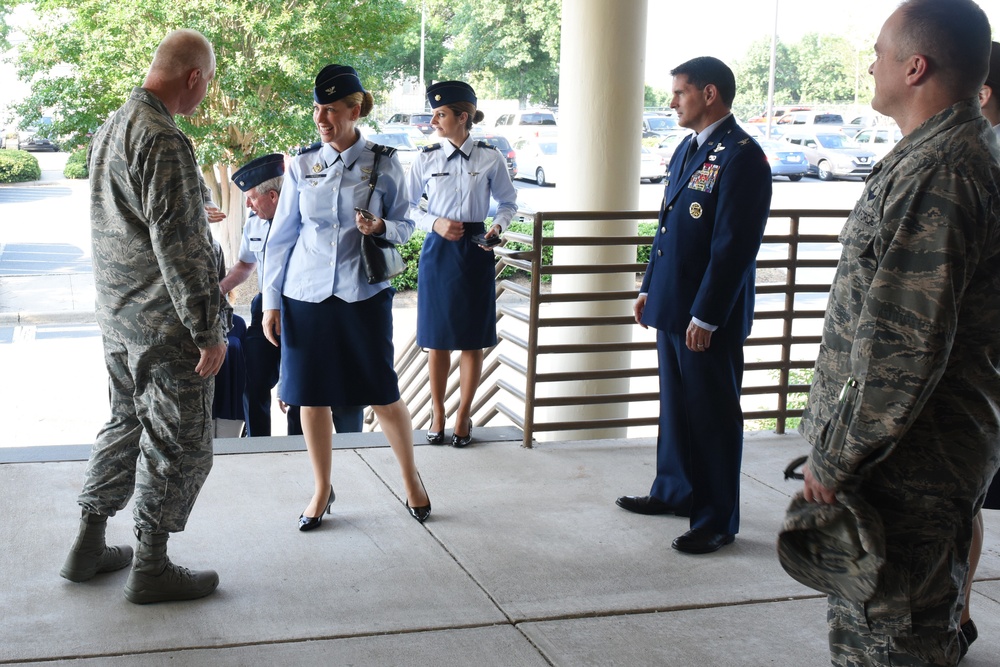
379	257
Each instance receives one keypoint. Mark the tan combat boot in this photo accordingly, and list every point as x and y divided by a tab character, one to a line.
90	555
155	579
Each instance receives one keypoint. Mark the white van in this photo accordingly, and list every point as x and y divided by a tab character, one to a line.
526	123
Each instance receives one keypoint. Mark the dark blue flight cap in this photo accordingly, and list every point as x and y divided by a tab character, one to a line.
448	92
335	82
258	170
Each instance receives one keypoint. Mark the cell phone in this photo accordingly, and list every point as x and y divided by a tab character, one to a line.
488	241
364	214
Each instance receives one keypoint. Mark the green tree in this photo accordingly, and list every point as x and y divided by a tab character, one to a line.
504	48
753	72
827	66
655	98
84	56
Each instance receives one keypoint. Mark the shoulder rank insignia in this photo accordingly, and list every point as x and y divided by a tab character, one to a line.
483	144
302	150
743	142
432	147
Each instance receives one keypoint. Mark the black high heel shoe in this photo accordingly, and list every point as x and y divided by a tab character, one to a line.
462	440
420	513
435	437
310	522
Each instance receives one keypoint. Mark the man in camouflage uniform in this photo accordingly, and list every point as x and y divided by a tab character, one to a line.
905	404
158	308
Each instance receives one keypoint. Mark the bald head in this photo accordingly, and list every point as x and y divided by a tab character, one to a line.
182	51
183	66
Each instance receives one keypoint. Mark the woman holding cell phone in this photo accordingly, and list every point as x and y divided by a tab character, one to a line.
336	329
456	294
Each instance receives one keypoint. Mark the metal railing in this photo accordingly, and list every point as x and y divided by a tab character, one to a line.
785	334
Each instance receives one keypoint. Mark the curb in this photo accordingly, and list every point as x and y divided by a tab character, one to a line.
18	318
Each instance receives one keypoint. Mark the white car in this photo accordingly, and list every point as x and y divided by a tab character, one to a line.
406	151
652	166
536	159
879	140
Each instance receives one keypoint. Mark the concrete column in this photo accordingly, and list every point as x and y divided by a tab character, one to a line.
601	91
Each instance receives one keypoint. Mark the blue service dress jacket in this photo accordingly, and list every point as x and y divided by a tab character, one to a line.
711	223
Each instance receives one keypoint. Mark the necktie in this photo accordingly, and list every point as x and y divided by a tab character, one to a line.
692	149
458	153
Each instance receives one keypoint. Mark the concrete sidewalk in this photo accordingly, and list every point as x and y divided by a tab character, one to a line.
525	561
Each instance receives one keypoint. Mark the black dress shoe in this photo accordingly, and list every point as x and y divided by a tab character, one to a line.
420	513
702	541
648	505
462	440
310	522
435	437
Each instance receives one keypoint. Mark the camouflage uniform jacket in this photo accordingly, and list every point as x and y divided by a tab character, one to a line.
154	265
906	394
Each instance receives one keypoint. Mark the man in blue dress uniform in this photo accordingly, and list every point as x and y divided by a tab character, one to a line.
698	292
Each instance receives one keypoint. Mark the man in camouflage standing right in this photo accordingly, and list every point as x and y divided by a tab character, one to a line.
158	309
904	410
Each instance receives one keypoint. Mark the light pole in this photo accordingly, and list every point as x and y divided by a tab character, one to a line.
770	78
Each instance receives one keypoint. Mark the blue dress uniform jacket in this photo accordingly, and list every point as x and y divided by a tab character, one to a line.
701	266
711	223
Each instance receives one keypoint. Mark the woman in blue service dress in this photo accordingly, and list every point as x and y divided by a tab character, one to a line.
456	293
335	329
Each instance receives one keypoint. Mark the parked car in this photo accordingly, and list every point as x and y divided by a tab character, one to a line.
503	145
777	114
811	118
526	123
37	143
657	124
406	150
668	144
421	120
831	154
536	159
785	160
652	166
859	123
879	140
417	137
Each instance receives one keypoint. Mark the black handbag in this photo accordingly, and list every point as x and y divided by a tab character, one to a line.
379	257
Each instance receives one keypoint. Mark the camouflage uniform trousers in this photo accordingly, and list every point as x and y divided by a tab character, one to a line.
913	618
158	441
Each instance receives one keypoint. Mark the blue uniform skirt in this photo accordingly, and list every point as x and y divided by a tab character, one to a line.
338	353
456	293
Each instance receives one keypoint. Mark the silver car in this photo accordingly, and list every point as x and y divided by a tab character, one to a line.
831	154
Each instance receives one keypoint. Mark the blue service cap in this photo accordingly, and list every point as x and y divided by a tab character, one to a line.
448	92
258	170
335	82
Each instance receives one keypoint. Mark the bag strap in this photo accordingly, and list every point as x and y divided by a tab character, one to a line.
377	149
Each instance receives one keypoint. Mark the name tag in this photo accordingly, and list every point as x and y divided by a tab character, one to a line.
443	173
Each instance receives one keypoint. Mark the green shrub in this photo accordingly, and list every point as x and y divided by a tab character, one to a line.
526	227
410	251
76	164
795	401
642	252
18	167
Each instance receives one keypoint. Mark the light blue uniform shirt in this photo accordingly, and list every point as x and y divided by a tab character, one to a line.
313	251
252	244
460	189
